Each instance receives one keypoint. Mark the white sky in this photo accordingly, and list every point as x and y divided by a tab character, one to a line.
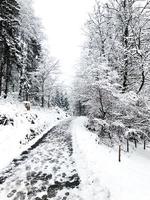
63	20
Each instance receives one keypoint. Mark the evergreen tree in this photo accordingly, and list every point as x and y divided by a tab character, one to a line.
9	28
60	99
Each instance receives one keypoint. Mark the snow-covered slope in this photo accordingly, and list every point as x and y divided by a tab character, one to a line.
103	177
20	128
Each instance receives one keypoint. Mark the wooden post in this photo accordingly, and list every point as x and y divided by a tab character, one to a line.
119	153
144	144
135	142
127	145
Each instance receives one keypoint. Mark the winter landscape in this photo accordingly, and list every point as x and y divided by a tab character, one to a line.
77	127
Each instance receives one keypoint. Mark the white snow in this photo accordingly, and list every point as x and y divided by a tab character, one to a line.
13	137
103	177
118	123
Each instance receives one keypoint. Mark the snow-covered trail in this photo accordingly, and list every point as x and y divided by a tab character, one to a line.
102	176
53	167
45	171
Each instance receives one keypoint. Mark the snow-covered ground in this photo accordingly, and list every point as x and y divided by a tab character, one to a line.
102	176
19	128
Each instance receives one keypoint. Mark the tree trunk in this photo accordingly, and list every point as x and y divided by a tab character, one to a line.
48	102
42	101
79	108
27	96
2	58
8	69
103	113
124	81
125	44
42	97
20	84
7	78
142	82
1	75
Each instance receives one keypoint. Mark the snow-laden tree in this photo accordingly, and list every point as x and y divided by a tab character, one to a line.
60	98
114	66
20	37
44	78
130	48
31	37
9	28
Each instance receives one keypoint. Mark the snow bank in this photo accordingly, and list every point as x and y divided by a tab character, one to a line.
103	177
20	128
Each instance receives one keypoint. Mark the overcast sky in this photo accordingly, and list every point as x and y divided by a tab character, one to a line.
63	20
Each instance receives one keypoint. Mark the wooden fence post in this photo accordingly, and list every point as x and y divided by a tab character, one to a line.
144	144
127	145
135	142
119	153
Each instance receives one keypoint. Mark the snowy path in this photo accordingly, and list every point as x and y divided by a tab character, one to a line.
45	171
53	167
102	176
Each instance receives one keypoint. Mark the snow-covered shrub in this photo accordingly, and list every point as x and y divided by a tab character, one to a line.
98	126
141	134
117	131
133	134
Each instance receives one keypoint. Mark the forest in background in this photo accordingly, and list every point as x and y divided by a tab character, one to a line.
27	70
